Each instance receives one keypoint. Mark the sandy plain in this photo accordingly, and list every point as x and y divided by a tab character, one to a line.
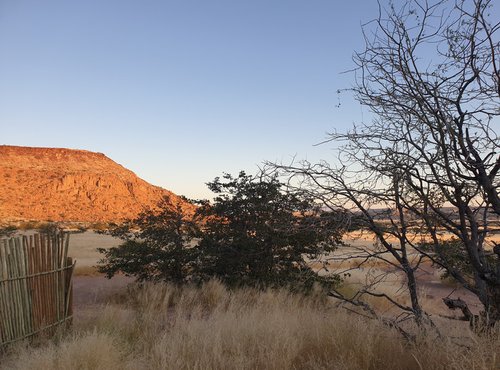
90	287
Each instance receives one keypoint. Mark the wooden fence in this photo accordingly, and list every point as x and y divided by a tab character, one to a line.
35	286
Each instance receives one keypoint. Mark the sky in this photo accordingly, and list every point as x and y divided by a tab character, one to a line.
180	91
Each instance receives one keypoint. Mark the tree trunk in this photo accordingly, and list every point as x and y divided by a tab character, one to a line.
412	287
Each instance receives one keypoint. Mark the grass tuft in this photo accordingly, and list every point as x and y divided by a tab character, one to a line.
168	327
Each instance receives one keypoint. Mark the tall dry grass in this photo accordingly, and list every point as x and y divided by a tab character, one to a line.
166	327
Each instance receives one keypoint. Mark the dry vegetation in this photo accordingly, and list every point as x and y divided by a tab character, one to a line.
164	327
83	249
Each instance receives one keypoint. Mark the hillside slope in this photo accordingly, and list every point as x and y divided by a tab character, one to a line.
70	185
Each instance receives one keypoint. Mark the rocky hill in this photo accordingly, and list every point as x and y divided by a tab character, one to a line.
70	185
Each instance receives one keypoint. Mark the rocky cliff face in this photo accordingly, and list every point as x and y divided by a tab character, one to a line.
70	185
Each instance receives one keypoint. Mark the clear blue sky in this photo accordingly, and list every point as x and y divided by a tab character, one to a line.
179	91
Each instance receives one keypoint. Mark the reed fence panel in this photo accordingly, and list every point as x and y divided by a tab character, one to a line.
35	286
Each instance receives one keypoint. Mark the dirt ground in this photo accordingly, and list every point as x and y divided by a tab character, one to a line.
90	288
432	287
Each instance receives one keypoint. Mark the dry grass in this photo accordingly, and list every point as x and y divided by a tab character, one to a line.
164	327
86	270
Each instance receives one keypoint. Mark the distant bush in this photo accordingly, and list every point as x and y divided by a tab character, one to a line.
28	225
43	227
450	255
7	231
49	228
99	226
80	229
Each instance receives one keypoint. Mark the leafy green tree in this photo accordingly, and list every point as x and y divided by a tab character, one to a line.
155	245
258	234
7	231
253	233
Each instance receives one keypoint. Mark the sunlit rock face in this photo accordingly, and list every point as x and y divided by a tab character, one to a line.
70	185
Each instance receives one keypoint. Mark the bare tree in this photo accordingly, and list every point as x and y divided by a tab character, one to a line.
430	74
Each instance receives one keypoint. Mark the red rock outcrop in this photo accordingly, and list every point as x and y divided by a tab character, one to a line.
70	185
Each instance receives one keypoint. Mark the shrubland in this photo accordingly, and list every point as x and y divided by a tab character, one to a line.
164	326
